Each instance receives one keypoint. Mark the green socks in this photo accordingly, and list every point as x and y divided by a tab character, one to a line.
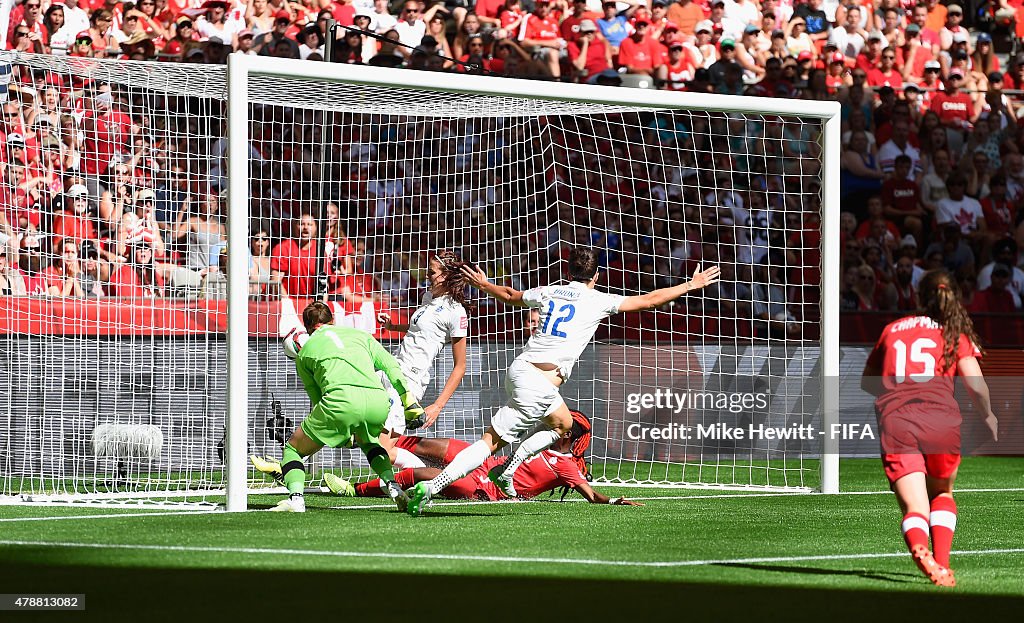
379	461
294	471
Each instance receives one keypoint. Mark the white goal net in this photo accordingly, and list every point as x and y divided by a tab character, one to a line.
115	352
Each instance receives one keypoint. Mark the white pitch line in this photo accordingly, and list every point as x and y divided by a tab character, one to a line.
383	506
109	515
472	558
658	497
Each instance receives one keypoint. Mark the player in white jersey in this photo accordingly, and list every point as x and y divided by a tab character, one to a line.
441	318
569	317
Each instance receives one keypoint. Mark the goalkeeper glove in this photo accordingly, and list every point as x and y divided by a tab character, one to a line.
415	417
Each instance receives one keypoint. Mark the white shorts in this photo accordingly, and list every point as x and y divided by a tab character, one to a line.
396	414
531	397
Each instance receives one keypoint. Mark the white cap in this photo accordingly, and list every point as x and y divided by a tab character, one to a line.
908	241
78	190
704	25
960	37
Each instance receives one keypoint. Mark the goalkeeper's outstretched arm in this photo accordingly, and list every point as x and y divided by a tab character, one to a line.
478	279
657	298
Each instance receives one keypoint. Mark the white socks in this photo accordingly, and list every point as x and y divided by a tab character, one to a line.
405	459
463	463
534	444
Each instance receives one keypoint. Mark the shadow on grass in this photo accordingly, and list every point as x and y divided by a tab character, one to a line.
231	594
882	576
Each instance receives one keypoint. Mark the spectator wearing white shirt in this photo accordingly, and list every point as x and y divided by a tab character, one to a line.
744	11
899	145
850	37
75	17
383	21
412	26
959	208
1004	252
215	24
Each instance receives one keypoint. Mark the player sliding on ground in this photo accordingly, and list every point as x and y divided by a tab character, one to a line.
338	367
911	371
441	318
561	465
569	316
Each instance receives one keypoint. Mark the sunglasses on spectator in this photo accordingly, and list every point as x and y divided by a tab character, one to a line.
412	10
21	33
131	18
83	41
932	71
185	25
32	6
889	57
10	114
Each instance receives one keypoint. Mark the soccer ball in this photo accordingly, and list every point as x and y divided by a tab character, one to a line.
293	343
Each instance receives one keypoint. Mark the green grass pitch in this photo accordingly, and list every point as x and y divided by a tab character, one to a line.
687	554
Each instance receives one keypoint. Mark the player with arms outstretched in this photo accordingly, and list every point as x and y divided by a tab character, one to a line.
560	466
338	367
569	317
911	371
442	318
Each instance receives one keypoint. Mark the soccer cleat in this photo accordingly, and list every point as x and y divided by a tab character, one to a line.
294	503
267	466
419	497
339	486
939	575
400	498
496	476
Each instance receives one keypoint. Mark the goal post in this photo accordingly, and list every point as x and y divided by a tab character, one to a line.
153	389
241	68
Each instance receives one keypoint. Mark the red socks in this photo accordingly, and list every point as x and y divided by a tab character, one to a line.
943	524
375	488
915	530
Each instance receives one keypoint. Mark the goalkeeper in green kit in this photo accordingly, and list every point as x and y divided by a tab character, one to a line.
338	367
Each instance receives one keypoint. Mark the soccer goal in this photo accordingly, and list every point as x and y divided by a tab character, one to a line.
361	173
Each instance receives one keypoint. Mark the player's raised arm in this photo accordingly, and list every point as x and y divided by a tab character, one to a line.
970	371
478	279
657	298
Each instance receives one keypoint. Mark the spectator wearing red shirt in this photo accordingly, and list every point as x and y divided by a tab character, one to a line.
1000	213
916	54
570	26
540	35
871	55
74	222
681	66
995	299
62	278
885	75
929	38
901	198
589	54
954	108
642	55
294	263
138	277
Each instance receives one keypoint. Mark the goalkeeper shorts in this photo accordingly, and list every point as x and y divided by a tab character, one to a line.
531	397
342	414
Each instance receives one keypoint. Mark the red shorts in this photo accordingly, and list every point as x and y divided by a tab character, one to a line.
919	438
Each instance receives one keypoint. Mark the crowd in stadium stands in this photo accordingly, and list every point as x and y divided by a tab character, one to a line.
932	165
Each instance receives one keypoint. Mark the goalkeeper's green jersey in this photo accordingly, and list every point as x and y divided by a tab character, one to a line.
335	358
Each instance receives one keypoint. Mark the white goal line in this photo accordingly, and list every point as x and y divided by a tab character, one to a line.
261	551
382	505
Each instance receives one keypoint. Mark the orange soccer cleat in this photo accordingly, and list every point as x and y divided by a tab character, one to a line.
939	575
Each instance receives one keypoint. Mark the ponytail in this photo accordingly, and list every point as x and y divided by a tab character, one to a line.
940	297
455	284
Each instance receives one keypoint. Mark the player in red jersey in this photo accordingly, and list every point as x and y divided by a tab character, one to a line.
562	465
911	372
